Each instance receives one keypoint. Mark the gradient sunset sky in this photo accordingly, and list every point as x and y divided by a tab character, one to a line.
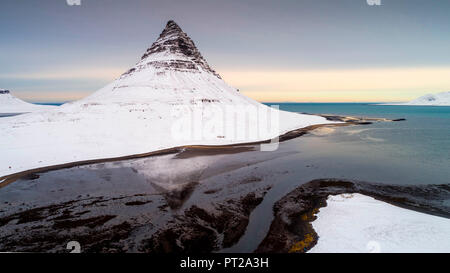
273	51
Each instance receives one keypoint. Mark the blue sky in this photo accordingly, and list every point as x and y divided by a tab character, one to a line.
51	51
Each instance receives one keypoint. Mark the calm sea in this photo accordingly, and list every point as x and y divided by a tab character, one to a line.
415	151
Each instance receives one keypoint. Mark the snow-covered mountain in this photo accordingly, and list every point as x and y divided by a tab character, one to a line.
439	99
171	72
11	104
157	104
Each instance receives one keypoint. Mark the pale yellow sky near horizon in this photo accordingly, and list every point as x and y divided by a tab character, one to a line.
329	85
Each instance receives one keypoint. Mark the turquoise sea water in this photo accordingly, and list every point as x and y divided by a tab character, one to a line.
368	109
416	150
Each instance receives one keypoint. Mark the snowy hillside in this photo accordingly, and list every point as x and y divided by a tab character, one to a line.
170	98
439	99
11	104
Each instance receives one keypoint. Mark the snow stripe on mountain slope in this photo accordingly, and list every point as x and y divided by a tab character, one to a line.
11	104
172	85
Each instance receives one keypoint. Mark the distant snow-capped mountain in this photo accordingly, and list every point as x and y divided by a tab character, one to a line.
12	104
439	99
155	105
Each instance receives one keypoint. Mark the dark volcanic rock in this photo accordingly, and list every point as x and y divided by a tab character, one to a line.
184	54
50	228
200	231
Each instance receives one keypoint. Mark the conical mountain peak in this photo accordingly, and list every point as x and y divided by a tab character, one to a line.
177	50
171	27
173	40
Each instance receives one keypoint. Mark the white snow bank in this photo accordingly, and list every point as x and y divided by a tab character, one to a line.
11	104
358	223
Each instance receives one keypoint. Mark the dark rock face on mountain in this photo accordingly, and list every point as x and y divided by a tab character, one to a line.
2	91
175	51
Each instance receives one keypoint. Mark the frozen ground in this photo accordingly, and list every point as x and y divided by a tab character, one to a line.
359	223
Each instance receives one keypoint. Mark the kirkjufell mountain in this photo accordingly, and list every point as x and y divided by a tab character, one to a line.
153	106
11	104
172	71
